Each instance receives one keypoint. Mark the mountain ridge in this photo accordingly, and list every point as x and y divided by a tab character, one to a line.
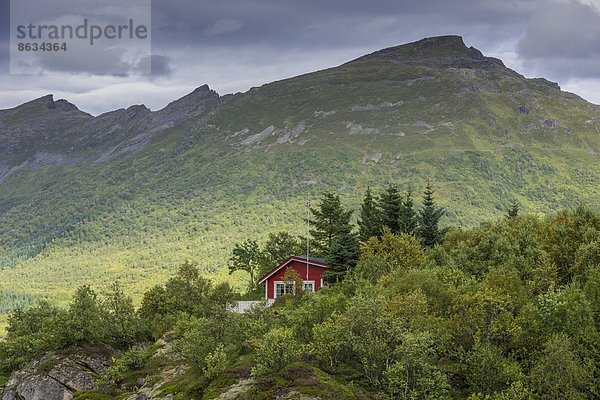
128	194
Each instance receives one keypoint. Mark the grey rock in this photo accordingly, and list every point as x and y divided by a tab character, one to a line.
67	374
590	150
524	110
549	123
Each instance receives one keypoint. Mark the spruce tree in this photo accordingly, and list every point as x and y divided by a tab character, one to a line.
369	222
343	255
429	218
390	203
328	218
408	215
513	210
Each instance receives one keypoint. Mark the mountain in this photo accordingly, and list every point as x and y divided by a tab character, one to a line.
129	194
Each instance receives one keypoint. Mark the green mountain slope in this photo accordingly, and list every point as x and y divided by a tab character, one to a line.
130	194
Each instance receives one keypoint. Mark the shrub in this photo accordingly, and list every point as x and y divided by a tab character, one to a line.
215	362
129	361
278	349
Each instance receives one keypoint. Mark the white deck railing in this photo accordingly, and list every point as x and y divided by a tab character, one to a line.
242	306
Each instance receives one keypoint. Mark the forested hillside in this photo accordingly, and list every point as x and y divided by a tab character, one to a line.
505	310
130	194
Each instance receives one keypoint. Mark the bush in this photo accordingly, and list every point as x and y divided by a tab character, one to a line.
278	349
215	362
415	374
131	360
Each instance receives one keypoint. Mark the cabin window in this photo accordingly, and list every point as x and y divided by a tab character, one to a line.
279	289
282	288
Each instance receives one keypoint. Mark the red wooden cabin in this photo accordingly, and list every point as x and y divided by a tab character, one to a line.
275	286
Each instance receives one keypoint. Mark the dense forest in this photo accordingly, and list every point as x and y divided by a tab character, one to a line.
412	310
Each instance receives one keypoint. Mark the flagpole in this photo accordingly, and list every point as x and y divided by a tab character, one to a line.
307	235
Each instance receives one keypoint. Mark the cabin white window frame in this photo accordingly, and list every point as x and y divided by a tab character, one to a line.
309	283
283	283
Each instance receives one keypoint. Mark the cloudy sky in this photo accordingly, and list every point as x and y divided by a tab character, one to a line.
233	45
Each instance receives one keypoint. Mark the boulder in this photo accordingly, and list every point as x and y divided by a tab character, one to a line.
57	375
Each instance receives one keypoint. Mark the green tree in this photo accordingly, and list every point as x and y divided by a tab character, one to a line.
513	210
279	247
390	204
415	375
84	318
215	362
408	215
396	252
342	257
328	219
26	322
488	371
248	257
369	221
187	291
429	219
198	340
560	373
120	318
293	282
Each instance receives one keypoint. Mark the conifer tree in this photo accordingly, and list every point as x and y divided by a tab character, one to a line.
327	220
390	203
369	222
408	215
342	257
513	210
429	218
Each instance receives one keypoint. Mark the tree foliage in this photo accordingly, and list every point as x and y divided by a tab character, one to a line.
390	205
369	219
429	218
329	219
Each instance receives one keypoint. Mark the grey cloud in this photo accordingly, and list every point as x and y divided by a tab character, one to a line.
97	62
4	19
235	44
4	35
291	23
221	26
564	41
160	65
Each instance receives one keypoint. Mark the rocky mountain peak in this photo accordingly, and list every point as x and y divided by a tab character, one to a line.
198	100
436	46
201	89
137	110
444	49
46	101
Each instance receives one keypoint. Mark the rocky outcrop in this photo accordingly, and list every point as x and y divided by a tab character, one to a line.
524	110
56	376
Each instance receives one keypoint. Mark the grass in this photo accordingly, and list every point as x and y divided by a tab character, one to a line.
91	395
